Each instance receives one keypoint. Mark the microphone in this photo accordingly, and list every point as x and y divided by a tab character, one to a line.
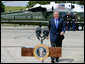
45	32
38	32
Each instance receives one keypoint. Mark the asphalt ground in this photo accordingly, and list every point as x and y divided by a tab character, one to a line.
14	38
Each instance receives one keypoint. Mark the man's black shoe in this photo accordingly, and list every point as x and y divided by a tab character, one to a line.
57	59
52	61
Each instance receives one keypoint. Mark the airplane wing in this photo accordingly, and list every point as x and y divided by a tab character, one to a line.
35	9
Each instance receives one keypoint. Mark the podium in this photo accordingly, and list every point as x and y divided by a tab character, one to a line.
53	51
41	51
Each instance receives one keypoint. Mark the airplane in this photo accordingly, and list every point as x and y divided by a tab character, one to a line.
78	8
61	7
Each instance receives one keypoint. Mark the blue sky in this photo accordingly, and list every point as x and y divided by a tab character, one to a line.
15	3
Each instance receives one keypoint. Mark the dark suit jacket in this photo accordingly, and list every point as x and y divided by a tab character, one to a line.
54	32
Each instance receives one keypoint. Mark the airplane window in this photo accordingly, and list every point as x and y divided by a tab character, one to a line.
62	5
69	5
82	7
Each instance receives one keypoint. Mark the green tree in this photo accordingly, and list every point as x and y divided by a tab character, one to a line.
2	7
81	2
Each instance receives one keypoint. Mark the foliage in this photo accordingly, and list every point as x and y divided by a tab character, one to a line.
2	7
14	8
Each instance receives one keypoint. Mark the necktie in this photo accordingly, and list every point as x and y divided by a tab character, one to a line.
56	23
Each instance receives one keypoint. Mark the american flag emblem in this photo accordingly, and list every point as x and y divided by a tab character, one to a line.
61	6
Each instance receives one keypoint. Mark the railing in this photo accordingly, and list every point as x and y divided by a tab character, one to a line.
35	16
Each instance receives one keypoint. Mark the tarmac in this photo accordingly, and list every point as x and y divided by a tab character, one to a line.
13	38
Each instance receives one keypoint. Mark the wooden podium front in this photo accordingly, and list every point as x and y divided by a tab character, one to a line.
53	51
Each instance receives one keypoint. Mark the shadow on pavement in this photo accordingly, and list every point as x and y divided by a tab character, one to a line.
66	60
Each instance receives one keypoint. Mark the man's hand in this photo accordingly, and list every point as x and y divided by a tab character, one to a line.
47	37
62	33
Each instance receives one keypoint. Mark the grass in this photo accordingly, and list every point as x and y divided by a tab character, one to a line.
14	8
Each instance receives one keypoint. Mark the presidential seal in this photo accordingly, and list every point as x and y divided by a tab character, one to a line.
41	51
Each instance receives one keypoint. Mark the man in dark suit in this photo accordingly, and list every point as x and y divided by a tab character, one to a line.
74	21
67	18
57	30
